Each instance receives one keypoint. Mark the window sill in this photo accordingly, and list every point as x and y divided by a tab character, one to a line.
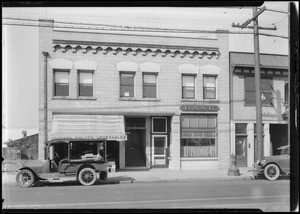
199	159
204	100
74	98
143	99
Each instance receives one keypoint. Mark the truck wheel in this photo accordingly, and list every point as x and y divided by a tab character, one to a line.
87	176
271	172
25	178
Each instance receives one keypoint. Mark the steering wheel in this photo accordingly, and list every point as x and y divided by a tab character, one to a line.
56	155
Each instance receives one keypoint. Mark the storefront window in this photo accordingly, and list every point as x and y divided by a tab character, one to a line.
61	83
198	136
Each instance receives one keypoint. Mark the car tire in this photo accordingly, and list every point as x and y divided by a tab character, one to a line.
271	172
87	176
25	178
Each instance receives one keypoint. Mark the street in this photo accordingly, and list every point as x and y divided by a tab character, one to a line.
235	194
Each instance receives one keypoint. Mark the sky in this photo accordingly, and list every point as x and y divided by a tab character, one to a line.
20	44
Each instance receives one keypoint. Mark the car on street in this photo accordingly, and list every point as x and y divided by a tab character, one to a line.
67	161
272	167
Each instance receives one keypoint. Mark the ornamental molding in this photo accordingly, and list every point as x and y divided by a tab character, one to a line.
84	47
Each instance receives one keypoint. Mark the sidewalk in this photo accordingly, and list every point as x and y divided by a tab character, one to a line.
157	175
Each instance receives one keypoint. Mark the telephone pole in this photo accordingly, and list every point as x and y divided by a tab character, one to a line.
259	127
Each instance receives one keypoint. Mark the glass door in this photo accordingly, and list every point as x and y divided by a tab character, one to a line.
159	147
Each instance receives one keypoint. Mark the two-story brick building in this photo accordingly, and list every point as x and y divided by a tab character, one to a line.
161	100
274	96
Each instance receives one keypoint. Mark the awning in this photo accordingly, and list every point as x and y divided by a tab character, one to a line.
88	127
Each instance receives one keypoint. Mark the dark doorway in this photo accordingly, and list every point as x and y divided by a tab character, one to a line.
278	137
135	152
112	152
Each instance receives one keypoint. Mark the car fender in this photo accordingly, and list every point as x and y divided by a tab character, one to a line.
35	173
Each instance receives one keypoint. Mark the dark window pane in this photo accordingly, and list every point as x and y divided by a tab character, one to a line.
150	91
127	79
266	98
127	91
250	97
159	125
159	145
85	90
241	146
135	122
241	128
61	89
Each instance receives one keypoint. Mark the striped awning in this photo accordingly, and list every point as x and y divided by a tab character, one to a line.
88	127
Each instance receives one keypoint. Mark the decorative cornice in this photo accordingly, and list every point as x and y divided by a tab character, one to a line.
135	49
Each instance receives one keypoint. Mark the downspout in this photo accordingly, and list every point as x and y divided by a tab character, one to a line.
45	96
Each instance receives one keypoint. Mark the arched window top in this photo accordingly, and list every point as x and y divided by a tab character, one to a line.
210	69
61	64
188	69
150	67
127	66
85	65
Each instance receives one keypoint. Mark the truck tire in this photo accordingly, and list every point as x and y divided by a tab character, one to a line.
25	178
87	176
271	172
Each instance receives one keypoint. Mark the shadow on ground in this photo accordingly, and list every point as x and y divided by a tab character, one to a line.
112	180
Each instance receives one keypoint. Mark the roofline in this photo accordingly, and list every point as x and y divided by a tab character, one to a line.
230	52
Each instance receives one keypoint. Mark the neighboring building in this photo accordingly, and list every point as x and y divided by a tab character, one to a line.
160	100
274	90
27	149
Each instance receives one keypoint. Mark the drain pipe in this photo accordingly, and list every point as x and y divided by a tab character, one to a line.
45	96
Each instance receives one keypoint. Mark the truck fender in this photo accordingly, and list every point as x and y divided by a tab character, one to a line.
35	173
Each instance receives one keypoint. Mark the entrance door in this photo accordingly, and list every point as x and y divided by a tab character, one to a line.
159	150
241	151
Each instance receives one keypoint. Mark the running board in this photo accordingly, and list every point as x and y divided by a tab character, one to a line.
62	179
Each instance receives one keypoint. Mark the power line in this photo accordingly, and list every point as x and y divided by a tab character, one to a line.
146	30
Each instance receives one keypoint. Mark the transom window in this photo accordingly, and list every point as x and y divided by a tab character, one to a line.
198	136
150	85
126	84
209	87
188	86
61	83
159	125
85	83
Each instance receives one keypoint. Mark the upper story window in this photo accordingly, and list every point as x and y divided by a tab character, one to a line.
209	87
188	86
85	81
266	86
150	85
61	83
126	84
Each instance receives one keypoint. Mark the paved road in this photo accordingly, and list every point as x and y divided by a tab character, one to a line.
261	194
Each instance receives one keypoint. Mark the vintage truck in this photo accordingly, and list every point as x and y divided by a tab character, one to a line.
67	160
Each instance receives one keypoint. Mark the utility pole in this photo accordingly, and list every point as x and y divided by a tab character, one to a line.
259	127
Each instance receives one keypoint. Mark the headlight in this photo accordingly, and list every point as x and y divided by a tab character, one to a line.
261	162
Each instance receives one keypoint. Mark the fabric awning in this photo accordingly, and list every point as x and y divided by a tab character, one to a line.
88	127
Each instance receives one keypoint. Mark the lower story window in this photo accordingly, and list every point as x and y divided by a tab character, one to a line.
198	140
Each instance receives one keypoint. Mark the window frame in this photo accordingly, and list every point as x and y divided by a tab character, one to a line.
120	83
156	84
215	88
182	87
252	90
152	126
54	83
78	82
201	130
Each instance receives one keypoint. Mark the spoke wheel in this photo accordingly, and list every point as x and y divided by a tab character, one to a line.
87	176
272	172
25	178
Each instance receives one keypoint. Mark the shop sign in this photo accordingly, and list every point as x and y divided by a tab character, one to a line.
206	108
123	137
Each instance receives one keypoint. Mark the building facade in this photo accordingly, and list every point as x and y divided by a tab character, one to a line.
274	98
168	94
